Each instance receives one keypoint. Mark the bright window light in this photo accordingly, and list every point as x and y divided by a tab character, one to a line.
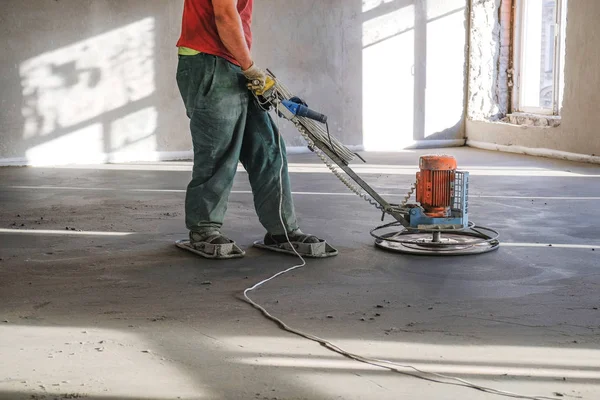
539	55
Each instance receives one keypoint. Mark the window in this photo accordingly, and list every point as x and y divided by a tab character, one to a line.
539	56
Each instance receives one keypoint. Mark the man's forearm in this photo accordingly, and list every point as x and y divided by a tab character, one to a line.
231	33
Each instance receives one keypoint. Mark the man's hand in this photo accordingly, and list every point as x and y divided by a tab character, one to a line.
257	78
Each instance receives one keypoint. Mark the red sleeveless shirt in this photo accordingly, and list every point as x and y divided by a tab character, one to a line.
199	29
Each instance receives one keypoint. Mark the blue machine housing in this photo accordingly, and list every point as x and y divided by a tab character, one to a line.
459	211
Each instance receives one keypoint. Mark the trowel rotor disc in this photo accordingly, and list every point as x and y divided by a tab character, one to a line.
466	242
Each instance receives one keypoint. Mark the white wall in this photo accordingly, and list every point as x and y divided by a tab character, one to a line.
89	81
94	81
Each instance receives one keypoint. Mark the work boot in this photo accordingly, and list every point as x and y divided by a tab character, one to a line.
299	244
213	237
211	244
295	237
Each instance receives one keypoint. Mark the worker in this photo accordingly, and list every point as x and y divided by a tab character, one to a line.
227	126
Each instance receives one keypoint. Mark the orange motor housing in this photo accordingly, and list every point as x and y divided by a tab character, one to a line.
435	184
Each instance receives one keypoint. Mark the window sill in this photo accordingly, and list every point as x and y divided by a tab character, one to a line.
527	119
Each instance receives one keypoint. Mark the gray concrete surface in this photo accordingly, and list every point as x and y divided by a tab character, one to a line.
580	119
89	82
133	317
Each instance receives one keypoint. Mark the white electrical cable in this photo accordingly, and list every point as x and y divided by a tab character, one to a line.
389	365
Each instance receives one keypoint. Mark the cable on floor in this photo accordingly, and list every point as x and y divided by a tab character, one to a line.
385	364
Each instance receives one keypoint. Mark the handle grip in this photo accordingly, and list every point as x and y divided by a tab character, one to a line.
304	111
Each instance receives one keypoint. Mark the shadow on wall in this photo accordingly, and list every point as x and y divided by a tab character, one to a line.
89	100
92	101
414	69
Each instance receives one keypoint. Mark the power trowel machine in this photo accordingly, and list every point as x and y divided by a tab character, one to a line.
436	224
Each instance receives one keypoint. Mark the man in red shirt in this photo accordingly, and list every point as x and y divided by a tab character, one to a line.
227	126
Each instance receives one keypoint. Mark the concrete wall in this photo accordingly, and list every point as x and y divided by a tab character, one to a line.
489	44
578	132
89	81
93	81
315	48
390	74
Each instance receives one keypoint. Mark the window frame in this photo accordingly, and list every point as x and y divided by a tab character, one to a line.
559	56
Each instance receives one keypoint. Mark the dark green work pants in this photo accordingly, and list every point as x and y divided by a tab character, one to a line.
227	126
